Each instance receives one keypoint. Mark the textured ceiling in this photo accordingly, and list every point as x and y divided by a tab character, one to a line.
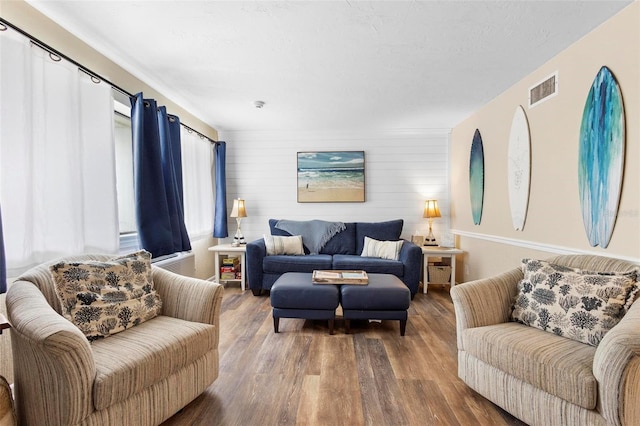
333	65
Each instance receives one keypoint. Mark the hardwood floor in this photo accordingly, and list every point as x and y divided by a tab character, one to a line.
304	376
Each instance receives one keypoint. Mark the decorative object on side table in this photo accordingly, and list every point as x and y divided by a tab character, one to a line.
431	210
238	211
417	239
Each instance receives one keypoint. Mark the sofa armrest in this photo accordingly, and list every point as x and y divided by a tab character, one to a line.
485	302
256	252
58	357
616	366
187	298
411	258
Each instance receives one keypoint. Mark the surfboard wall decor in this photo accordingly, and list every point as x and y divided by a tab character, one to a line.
601	157
476	177
519	168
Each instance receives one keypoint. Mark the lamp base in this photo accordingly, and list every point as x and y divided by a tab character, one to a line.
238	239
430	240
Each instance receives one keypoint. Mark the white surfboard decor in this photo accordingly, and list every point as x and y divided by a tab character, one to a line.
519	168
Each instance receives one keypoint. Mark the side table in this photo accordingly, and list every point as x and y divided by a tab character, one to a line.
4	323
435	251
231	250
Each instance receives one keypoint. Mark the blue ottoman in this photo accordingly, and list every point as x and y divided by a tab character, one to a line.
384	298
293	295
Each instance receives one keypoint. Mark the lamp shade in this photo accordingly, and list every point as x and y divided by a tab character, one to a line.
431	209
238	208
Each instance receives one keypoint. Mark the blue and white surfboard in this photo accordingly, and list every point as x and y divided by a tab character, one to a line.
601	158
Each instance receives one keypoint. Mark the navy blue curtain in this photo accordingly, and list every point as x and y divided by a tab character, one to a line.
159	210
220	229
3	261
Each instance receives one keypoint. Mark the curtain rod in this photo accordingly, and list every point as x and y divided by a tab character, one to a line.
93	75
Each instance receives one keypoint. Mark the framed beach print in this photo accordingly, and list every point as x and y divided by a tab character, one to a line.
331	177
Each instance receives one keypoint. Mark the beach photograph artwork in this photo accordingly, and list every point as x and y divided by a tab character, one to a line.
331	177
601	157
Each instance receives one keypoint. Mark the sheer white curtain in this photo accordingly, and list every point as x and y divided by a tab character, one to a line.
197	178
57	170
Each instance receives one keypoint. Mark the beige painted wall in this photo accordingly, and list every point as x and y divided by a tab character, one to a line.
28	19
554	221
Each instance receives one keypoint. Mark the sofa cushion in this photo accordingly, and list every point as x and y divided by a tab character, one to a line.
343	242
570	302
372	265
282	264
276	244
381	249
559	366
296	291
128	362
383	231
104	298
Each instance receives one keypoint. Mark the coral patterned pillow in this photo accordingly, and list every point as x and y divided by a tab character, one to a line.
104	298
570	302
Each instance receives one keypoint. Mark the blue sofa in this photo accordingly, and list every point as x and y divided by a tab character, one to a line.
340	252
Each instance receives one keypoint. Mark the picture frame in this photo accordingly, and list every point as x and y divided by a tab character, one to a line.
417	240
331	177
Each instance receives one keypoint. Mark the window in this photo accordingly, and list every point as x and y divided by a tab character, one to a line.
197	160
124	173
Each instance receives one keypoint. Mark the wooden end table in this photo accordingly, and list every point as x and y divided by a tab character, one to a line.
4	323
231	250
436	251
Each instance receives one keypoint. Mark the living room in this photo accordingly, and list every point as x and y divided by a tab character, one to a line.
405	166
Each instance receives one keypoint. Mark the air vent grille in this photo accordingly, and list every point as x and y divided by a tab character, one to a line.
544	90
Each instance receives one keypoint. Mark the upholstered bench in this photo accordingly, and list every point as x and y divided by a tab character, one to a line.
293	295
386	297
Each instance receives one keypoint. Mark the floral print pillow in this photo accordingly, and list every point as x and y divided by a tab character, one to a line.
572	303
104	298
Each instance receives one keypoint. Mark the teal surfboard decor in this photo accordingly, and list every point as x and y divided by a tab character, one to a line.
601	158
476	177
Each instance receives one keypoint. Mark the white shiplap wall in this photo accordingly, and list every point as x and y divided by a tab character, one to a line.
402	170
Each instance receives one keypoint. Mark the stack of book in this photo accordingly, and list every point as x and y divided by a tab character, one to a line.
230	269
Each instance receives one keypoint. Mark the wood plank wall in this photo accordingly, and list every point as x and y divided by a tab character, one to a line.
403	169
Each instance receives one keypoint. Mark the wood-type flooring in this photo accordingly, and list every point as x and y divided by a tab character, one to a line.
304	376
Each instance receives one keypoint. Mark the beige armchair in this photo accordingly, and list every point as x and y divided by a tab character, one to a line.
541	378
140	376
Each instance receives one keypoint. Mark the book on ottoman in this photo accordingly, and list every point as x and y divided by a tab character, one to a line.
340	277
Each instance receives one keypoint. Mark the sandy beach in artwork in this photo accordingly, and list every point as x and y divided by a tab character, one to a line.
330	195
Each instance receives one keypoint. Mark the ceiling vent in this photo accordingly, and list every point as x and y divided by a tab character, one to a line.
543	90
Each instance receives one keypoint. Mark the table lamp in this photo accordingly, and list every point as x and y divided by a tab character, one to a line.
431	210
238	212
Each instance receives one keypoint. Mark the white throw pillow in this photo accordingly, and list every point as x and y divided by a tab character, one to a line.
382	249
283	245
